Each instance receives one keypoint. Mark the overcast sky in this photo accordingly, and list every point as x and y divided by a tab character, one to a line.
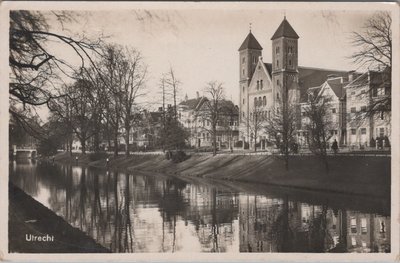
202	45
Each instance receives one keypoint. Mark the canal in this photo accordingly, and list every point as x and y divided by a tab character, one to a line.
133	212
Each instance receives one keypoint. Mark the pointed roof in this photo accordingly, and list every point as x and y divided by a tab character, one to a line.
285	30
250	43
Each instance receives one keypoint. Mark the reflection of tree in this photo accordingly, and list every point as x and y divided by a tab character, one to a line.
281	232
319	236
214	221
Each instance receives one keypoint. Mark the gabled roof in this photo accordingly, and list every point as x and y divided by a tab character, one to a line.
337	86
268	66
191	103
313	77
250	43
285	30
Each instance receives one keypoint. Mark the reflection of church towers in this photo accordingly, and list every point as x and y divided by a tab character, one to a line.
285	63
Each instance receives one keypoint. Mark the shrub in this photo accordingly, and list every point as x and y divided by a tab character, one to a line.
176	156
97	156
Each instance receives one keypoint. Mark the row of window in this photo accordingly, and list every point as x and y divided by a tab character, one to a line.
362	109
289	50
261	114
260	102
289	63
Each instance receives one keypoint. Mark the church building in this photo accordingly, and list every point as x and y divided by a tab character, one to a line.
264	85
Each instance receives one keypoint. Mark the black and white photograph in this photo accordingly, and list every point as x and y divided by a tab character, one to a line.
190	128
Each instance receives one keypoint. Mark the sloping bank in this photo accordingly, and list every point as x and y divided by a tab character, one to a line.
29	220
368	175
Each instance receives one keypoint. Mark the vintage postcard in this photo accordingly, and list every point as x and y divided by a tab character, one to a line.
199	131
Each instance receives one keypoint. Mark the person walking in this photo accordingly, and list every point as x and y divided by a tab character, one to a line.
335	147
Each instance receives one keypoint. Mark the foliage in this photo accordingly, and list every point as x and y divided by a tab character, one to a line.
174	135
319	125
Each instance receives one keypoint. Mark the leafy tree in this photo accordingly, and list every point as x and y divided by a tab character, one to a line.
174	135
319	126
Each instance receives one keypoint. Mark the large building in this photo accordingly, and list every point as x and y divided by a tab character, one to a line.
194	115
263	86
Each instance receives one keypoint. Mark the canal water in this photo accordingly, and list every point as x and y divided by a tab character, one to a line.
132	212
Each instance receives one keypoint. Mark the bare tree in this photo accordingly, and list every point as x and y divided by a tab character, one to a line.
319	125
281	128
256	121
76	109
374	45
173	86
213	108
132	72
35	70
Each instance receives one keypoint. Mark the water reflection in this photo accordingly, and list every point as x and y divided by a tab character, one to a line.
136	213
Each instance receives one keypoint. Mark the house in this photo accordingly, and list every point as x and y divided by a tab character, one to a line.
363	93
193	114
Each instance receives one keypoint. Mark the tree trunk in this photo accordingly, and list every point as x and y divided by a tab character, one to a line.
116	144
83	145
127	140
214	140
96	141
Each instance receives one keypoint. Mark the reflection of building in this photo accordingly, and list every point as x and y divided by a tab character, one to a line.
213	213
367	232
275	225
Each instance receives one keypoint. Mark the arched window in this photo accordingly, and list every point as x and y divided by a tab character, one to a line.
277	63
259	102
255	102
277	95
258	85
243	89
264	101
261	84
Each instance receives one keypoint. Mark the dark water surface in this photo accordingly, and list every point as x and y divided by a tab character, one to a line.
140	213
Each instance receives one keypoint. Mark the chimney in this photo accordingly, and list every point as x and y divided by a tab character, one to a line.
197	94
160	109
351	75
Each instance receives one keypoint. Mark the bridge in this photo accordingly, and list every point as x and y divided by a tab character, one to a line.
24	152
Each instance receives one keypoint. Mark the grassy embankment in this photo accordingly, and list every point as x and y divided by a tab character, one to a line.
27	216
368	175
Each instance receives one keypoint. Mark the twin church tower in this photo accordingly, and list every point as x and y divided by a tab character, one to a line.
266	84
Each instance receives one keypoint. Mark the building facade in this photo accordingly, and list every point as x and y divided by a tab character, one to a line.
264	86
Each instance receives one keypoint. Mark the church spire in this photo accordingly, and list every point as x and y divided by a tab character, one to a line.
285	30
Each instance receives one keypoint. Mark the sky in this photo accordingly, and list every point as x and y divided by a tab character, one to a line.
201	45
